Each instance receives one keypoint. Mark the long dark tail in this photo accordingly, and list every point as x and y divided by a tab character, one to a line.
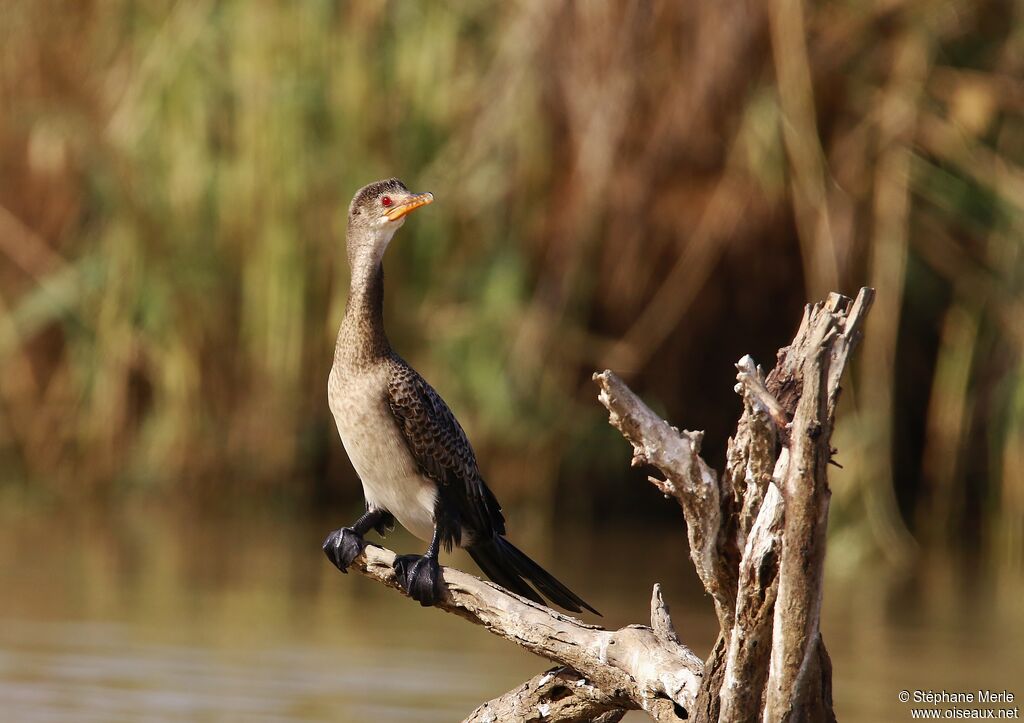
504	563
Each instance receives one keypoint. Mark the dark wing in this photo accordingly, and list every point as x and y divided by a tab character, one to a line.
443	453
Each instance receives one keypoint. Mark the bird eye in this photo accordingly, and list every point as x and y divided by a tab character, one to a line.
386	201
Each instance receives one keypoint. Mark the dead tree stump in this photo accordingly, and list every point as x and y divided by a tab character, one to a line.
757	541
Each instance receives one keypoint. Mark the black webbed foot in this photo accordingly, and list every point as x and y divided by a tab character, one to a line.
420	575
343	546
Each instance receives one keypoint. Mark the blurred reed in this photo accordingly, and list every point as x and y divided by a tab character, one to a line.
618	185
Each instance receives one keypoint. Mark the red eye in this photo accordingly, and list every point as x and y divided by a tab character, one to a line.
386	201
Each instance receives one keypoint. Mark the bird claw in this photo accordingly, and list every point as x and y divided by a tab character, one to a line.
420	575
343	546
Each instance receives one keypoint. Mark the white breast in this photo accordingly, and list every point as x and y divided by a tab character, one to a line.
390	477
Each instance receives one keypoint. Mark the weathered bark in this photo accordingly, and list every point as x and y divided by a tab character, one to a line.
769	662
560	694
757	542
688	480
750	639
815	361
640	667
563	694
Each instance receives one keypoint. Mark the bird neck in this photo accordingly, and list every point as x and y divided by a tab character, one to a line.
361	337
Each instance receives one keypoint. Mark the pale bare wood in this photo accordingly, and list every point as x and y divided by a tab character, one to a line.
817	360
688	480
746	666
646	671
560	695
757	541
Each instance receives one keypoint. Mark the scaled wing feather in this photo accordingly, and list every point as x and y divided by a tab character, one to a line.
443	453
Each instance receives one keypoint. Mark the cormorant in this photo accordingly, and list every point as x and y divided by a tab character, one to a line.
410	452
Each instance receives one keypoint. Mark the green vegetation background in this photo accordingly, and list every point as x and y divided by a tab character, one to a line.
651	187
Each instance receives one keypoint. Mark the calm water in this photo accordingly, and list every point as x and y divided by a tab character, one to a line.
156	617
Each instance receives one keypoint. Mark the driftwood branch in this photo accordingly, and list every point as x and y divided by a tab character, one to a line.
757	533
560	694
636	667
815	361
757	541
688	479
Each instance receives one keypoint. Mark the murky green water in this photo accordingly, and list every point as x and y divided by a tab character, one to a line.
156	617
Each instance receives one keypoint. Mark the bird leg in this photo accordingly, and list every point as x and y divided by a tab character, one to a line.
420	575
344	545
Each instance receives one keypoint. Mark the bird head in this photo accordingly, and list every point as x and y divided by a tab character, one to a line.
376	212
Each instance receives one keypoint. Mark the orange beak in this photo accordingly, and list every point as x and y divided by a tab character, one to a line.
410	203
